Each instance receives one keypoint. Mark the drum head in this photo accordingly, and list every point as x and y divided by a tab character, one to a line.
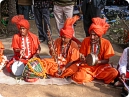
90	59
17	68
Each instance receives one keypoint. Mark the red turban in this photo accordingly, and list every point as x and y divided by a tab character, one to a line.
20	21
68	30
99	26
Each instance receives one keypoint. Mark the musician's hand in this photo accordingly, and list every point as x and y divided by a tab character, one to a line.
38	50
58	73
22	52
36	55
63	69
98	62
82	58
122	76
52	51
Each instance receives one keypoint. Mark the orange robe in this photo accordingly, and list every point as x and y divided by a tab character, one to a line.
73	55
1	51
3	58
87	73
29	44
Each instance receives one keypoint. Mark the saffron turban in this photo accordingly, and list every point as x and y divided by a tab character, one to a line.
68	30
20	21
99	26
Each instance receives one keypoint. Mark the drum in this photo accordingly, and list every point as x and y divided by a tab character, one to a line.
17	68
91	59
33	70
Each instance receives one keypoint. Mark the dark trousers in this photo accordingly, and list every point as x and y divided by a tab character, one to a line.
90	13
42	13
24	10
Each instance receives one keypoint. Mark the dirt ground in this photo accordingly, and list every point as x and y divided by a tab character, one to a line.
92	89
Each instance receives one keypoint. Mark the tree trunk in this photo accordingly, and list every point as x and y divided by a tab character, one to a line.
11	28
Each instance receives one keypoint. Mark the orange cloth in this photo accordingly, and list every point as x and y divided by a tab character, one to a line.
1	45
17	44
77	41
99	26
1	51
73	54
20	21
68	30
87	73
32	38
30	43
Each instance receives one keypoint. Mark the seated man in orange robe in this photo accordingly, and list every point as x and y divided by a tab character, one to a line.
101	47
67	52
25	44
3	58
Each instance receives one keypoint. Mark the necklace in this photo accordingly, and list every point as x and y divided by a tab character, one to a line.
95	48
26	47
64	49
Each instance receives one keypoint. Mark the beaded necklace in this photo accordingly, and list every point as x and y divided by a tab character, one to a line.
26	47
95	48
64	49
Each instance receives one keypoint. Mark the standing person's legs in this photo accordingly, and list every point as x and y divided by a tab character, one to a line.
26	11
87	20
96	12
46	18
58	14
86	23
20	9
38	21
17	6
68	12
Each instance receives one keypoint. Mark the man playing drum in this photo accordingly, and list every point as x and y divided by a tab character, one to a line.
101	48
67	51
25	44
